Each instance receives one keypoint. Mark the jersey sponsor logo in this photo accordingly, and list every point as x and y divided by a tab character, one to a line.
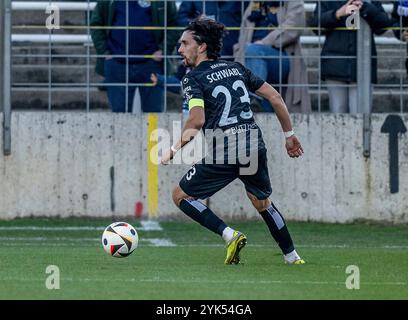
222	74
241	128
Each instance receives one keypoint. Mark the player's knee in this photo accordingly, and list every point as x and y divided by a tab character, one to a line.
178	195
260	205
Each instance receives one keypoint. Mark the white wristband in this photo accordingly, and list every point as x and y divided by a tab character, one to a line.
288	134
172	148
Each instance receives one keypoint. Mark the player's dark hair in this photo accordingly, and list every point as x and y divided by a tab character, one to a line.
210	32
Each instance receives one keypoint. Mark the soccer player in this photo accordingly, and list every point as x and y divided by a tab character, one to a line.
218	99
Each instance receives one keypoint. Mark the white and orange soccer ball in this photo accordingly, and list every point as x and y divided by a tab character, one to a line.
120	239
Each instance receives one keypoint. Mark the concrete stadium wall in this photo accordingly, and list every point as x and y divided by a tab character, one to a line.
96	164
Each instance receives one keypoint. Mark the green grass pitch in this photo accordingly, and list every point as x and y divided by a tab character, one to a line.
185	261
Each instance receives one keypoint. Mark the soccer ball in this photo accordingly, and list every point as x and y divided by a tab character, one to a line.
120	239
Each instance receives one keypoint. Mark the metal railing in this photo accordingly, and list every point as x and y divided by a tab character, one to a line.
86	39
5	69
71	5
55	40
90	6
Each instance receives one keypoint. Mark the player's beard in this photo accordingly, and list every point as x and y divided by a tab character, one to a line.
186	62
189	62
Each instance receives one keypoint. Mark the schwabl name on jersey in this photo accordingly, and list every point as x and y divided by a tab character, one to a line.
222	74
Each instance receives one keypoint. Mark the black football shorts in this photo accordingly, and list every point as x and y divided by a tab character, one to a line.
203	180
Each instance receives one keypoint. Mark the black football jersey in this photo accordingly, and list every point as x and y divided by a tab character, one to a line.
222	88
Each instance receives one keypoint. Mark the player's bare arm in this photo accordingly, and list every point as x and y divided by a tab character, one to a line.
192	126
293	146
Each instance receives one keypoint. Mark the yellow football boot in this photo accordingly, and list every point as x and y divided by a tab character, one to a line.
234	246
296	261
299	261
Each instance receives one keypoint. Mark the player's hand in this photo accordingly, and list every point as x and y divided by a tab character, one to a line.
293	147
167	156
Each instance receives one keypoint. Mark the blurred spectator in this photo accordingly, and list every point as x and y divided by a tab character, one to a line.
118	43
400	17
161	80
227	12
275	55
341	73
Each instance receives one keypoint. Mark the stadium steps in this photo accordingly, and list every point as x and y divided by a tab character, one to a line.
74	69
22	20
60	73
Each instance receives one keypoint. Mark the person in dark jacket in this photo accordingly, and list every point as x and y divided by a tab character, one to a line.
131	55
340	74
400	18
228	13
172	82
269	45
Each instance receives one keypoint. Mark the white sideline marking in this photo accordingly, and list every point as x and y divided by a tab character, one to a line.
272	245
147	225
43	244
150	225
160	242
163	242
35	228
65	244
270	282
154	242
397	283
47	239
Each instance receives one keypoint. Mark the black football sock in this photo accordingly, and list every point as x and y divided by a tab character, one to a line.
278	229
203	215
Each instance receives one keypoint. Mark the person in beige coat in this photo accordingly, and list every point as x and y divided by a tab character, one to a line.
281	39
